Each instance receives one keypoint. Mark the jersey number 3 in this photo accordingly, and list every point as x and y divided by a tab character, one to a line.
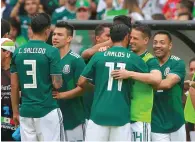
32	73
110	80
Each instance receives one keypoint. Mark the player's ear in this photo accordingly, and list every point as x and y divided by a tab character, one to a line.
170	45
69	39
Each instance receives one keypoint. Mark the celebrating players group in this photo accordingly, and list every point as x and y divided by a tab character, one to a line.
117	90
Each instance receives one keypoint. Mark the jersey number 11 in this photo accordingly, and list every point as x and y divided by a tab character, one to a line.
110	80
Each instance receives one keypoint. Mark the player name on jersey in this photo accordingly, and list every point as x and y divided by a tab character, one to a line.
117	54
32	50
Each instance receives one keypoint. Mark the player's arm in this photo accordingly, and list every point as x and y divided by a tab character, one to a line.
173	77
83	86
15	10
57	81
87	54
55	69
15	97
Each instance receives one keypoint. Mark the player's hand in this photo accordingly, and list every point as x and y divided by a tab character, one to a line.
121	74
56	95
102	49
186	85
16	119
192	84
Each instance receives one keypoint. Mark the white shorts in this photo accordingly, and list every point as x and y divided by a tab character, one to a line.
47	128
76	134
96	132
140	131
179	135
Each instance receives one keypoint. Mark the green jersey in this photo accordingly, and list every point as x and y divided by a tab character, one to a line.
34	62
111	103
142	94
167	113
24	20
72	109
189	110
62	14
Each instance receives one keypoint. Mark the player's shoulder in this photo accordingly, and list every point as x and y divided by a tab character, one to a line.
74	55
175	60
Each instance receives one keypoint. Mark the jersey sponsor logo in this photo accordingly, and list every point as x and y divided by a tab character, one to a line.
166	72
66	69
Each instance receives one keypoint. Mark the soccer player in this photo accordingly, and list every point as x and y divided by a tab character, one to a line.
142	94
87	54
35	66
72	66
110	112
168	122
7	123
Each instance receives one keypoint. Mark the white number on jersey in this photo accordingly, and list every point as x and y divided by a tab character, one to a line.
110	79
32	73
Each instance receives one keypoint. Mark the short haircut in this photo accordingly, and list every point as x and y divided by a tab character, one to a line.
5	27
100	29
187	4
145	29
192	60
14	23
122	19
68	27
164	33
118	32
40	22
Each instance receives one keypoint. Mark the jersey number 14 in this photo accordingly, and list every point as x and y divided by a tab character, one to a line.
110	80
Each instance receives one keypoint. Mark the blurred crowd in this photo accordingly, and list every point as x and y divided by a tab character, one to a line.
18	13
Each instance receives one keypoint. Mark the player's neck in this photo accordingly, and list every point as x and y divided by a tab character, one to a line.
164	59
6	64
38	37
118	44
64	51
142	51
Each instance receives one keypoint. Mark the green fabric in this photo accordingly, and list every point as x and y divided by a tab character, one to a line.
111	103
20	40
167	113
142	94
72	109
110	14
189	110
82	3
34	62
25	21
62	14
193	13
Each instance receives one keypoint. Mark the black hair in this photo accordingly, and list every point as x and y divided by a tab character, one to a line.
68	27
192	60
122	19
145	29
187	4
5	27
100	29
14	23
164	33
118	32
40	22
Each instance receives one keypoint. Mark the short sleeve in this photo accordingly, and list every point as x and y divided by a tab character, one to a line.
153	64
89	70
178	68
55	66
79	66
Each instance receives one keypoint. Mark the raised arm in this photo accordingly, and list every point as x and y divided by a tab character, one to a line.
87	54
15	10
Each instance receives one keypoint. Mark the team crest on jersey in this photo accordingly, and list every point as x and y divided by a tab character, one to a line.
66	69
166	72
